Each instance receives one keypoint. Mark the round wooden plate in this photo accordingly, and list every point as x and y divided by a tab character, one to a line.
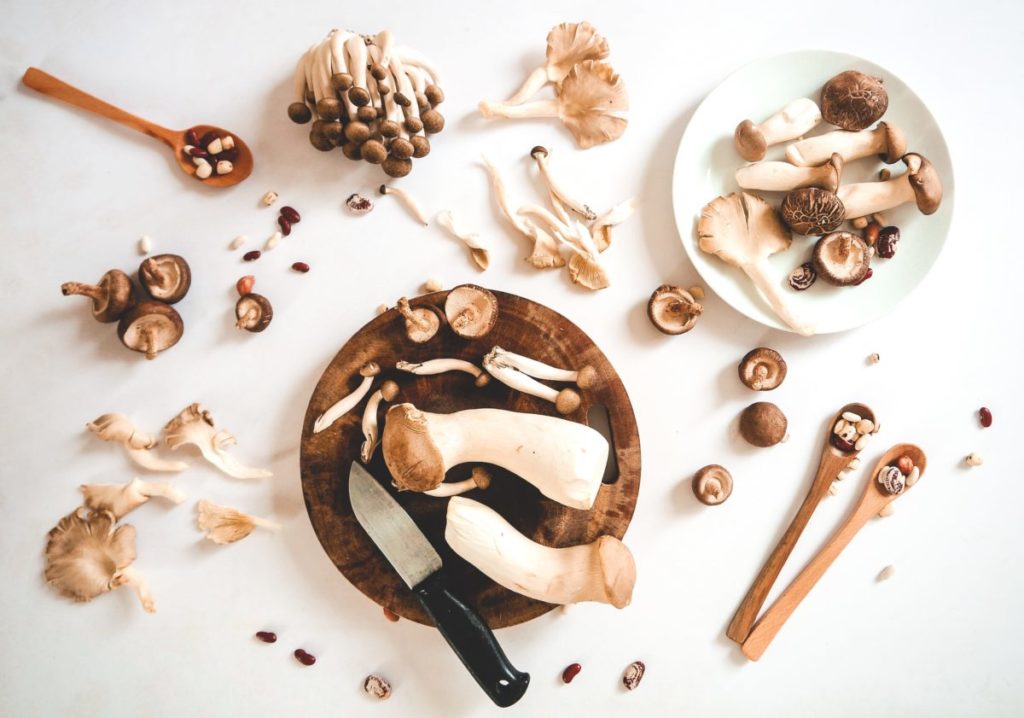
523	327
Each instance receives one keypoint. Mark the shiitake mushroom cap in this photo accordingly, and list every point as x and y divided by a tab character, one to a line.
763	424
762	369
150	327
299	113
673	310
471	311
111	297
812	210
253	312
167	277
841	258
712	484
853	101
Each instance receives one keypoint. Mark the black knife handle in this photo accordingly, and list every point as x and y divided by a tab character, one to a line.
472	641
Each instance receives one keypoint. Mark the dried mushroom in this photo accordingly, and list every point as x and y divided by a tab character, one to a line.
253	312
166	277
673	310
471	311
194	425
118	428
421	322
762	369
763	424
712	484
226	525
841	258
111	297
119	499
812	210
88	555
853	101
150	327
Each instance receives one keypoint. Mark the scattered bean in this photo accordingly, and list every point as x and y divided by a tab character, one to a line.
870	233
841	444
973	459
391	615
888	237
633	674
859	222
905	464
889	509
215	147
874	358
204	170
833	489
432	285
196	153
381	308
306	659
865	426
913	476
357	204
290	214
300	267
885	574
267	636
892	480
854	463
884	174
228	143
244	285
224	167
286	226
851	417
879	219
696	292
145	244
191	137
377	687
867	275
861	442
268	198
570	672
238	241
252	255
273	240
803	277
985	417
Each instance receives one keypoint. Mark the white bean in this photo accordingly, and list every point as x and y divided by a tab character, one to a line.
862	442
851	417
913	476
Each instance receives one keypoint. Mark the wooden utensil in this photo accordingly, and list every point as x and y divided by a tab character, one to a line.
831	463
175	139
873	500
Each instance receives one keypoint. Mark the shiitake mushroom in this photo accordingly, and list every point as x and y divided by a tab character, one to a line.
673	310
712	484
763	424
253	312
812	210
853	101
150	327
471	311
841	258
111	297
167	277
762	369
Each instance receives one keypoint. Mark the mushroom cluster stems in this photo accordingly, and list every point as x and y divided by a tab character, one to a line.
441	366
584	378
540	155
885	141
783	177
563	459
119	429
567	45
545	254
194	425
119	499
792	121
479	479
566	401
919	184
406	200
585	266
479	254
348	402
222	524
603	571
371	434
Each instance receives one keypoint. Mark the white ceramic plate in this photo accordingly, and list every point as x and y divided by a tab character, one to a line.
706	162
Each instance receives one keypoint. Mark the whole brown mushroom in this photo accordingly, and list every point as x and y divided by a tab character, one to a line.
712	484
422	322
299	113
471	311
812	210
841	258
673	310
111	297
253	312
853	101
167	277
762	369
763	424
150	328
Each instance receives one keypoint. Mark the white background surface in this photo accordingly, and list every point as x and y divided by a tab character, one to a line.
942	638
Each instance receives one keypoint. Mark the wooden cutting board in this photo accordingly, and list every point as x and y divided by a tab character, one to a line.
523	327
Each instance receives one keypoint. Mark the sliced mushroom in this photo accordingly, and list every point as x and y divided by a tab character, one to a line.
762	369
166	277
568	45
253	312
471	311
793	120
782	176
712	484
673	310
887	141
421	323
853	101
919	184
344	405
111	297
811	210
763	424
441	366
150	328
841	258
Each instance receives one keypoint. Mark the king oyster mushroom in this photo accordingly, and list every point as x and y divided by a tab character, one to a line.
812	210
919	184
853	101
673	310
762	369
841	258
763	424
111	297
568	44
166	277
253	312
471	311
783	176
793	120
150	328
887	141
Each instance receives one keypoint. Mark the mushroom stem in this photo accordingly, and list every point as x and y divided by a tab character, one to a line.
791	121
417	320
783	177
758	273
864	198
409	56
128	576
530	87
537	108
545	253
148	334
584	378
540	154
348	402
885	140
566	401
407	200
95	293
371	434
480	479
440	366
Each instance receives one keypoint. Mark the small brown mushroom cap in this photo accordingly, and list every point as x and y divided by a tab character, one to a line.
356	131
841	258
389	390
481	477
763	424
253	312
586	377
167	277
328	109
359	96
150	327
319	139
673	310
401	148
434	95
366	114
749	141
420	146
471	311
812	210
374	151
389	128
412	457
352	151
422	322
712	484
341	81
895	143
567	401
332	131
853	101
371	368
299	113
762	369
111	297
395	167
925	182
433	122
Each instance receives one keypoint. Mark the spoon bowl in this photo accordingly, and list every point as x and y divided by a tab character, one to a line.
874	495
243	163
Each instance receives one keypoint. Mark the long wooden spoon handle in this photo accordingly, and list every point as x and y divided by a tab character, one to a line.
58	89
775	617
759	275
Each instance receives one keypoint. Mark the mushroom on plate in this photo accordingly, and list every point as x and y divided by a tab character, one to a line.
812	210
752	141
150	327
471	311
853	101
166	277
886	141
673	310
919	184
841	258
253	312
782	176
762	369
111	297
568	44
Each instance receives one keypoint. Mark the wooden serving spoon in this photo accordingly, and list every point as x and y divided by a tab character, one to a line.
831	463
175	139
873	500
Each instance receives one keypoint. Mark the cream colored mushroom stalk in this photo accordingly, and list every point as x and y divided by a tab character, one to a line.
499	365
886	141
118	428
349	401
545	254
783	177
563	459
194	425
793	120
602	571
479	479
584	378
540	155
441	366
222	524
119	499
478	253
387	392
568	44
920	184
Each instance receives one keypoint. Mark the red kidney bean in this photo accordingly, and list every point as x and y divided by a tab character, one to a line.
229	155
300	267
841	444
267	636
191	137
871	233
306	659
198	152
286	226
985	417
207	138
290	214
252	255
867	275
570	672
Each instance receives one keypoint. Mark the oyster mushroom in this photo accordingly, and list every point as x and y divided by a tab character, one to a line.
793	120
585	263
344	405
712	484
387	392
440	366
166	277
226	525
601	229
111	297
886	141
421	323
194	425
587	102
150	327
253	312
585	378
119	499
763	424
919	184
673	310
853	101
479	254
471	311
118	428
782	176
568	44
762	369
812	210
566	401
88	555
545	253
841	258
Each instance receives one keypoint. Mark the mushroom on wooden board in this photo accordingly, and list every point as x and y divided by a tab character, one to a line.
783	177
886	141
471	311
441	366
166	277
421	322
568	44
752	141
743	230
111	297
150	328
673	310
371	433
253	312
566	401
853	101
919	184
348	402
584	378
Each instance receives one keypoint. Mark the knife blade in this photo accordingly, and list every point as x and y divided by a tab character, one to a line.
408	551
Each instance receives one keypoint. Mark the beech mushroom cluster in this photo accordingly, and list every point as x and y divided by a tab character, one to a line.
590	98
374	99
571	223
522	374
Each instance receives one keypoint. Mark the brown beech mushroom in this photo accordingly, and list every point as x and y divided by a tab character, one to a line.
471	311
150	328
841	258
166	277
566	401
673	310
793	120
782	176
812	210
853	101
421	323
763	424
253	312
762	369
111	297
919	184
712	484
886	141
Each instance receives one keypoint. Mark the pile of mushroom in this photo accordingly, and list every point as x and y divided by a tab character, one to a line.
589	96
375	100
571	223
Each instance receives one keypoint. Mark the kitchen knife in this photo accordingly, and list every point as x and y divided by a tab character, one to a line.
407	549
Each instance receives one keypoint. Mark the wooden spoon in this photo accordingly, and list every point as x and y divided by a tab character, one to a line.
175	139
873	500
831	463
